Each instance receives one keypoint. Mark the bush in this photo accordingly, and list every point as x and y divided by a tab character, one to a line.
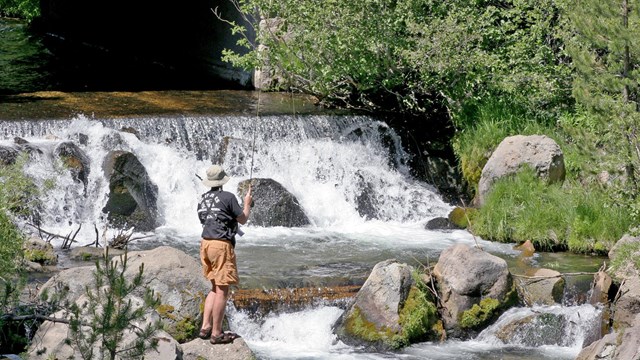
25	9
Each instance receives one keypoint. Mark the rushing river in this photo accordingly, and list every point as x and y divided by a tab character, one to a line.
322	159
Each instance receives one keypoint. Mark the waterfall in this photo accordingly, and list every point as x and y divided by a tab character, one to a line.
323	160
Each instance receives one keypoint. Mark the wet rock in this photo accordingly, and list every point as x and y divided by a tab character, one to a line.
527	248
535	330
8	155
92	253
540	152
273	204
75	160
366	202
459	216
374	318
201	349
465	276
39	251
26	147
622	344
237	152
132	195
601	289
440	223
543	287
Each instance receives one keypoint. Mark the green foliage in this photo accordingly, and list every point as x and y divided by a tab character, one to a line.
99	324
606	57
479	315
26	9
418	316
387	54
553	217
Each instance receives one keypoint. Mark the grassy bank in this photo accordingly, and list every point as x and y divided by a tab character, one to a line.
586	213
24	9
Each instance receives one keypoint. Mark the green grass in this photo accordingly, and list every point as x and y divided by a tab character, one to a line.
554	217
483	127
24	9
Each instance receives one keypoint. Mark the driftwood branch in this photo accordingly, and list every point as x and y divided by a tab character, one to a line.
13	317
554	276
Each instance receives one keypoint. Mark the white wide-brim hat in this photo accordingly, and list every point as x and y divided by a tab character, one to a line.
215	176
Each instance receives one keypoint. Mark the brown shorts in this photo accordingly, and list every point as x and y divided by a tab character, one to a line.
219	262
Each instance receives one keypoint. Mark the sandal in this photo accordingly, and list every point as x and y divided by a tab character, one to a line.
204	333
221	339
232	335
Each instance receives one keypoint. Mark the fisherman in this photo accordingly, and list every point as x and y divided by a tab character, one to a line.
219	214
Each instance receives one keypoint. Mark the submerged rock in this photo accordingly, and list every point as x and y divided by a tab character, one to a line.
535	330
75	160
543	287
8	155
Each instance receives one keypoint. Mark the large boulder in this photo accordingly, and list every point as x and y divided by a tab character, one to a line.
132	195
51	340
627	305
544	287
75	160
170	273
274	205
629	248
468	278
618	345
539	152
375	318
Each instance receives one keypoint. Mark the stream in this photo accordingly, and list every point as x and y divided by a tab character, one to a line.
320	157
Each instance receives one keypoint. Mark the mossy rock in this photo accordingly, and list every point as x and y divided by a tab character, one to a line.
182	330
460	216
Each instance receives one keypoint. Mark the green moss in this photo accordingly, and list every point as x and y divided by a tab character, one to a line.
460	217
86	256
166	311
357	325
40	256
418	317
184	330
479	315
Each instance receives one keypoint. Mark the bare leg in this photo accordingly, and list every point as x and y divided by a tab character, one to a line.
219	305
207	315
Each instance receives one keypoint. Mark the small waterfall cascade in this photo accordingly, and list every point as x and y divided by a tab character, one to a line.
326	161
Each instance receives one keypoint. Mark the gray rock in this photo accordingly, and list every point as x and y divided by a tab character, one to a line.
201	349
75	160
627	305
92	253
274	205
132	195
8	155
619	345
538	151
546	289
173	275
600	288
378	302
466	275
440	223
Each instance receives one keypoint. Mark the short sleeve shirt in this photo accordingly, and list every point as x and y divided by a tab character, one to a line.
217	211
